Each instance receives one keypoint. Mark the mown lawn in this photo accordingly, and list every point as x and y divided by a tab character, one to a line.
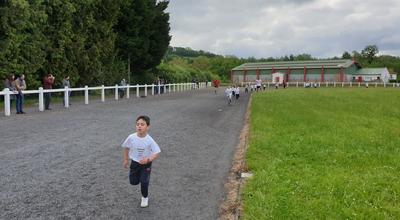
324	154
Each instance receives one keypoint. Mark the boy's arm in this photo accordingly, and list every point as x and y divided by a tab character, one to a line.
126	157
153	157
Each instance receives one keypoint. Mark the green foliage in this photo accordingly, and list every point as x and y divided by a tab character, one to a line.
324	154
85	39
143	34
346	55
369	52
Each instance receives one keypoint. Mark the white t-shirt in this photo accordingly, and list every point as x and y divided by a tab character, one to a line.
258	82
228	92
140	147
237	90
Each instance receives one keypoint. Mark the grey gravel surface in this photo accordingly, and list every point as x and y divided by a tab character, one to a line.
67	164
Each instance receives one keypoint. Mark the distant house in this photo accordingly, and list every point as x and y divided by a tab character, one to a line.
372	75
309	71
393	76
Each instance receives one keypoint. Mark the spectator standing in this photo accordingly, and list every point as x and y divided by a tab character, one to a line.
20	86
122	90
48	82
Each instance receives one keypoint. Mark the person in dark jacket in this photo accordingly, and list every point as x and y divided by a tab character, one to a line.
48	82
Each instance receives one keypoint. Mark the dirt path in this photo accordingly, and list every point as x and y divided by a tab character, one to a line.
67	164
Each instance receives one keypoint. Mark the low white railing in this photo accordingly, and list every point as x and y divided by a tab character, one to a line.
330	84
167	88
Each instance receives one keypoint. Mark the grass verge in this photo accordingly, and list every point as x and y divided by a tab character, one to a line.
324	154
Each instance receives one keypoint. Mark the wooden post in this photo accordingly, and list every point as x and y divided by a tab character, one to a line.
7	106
103	99
86	95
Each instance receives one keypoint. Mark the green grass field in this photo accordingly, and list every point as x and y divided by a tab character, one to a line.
324	154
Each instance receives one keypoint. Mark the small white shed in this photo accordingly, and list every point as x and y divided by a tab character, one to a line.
277	78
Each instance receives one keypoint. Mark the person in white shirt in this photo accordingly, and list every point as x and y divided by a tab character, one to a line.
237	91
142	150
228	93
258	84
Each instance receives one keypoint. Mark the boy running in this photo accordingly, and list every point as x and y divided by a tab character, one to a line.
142	150
228	92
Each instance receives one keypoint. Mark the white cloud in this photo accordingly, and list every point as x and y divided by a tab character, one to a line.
264	28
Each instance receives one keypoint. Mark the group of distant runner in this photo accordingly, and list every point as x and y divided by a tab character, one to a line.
233	92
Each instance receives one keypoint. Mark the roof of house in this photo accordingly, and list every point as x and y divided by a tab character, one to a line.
371	71
310	64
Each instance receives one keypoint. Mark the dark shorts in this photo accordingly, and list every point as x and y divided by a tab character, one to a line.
139	173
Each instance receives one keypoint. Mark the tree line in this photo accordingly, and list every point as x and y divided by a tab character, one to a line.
93	41
182	63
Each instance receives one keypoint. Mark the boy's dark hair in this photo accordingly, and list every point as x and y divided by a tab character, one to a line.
144	118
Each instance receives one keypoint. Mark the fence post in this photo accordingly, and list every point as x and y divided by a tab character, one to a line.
127	91
66	97
152	89
145	90
376	85
342	84
334	84
158	89
86	95
116	92
169	88
103	96
326	84
7	106
41	104
384	84
137	90
359	84
165	89
351	84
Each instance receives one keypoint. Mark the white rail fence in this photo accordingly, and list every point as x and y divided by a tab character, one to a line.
167	88
331	84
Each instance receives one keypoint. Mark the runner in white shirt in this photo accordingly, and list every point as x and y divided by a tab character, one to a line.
228	93
258	84
237	91
142	150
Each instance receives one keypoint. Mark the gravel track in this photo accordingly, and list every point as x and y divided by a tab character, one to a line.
67	164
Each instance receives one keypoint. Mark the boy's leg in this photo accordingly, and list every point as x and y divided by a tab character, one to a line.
134	173
145	180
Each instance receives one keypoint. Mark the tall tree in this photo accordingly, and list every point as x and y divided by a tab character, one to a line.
22	42
369	52
143	33
346	55
59	33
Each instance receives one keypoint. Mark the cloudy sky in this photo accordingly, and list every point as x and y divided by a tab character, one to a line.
264	28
